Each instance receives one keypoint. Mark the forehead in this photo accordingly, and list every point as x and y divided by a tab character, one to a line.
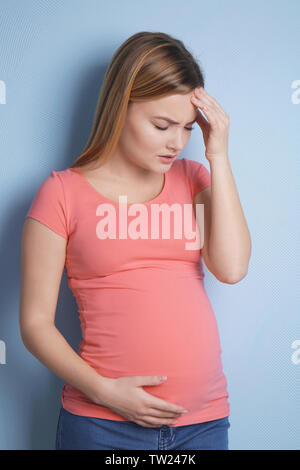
175	107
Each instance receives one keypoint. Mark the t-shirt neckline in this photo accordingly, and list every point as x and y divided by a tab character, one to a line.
89	185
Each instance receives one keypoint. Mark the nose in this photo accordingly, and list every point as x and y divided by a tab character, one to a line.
177	142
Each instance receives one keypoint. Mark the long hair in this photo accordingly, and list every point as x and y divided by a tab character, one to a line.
148	65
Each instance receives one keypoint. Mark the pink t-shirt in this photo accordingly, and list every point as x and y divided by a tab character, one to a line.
141	298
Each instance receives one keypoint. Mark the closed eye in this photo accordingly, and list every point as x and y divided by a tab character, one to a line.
165	128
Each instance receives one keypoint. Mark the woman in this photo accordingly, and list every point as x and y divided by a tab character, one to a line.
139	286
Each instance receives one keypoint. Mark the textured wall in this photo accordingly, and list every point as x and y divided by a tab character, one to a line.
53	57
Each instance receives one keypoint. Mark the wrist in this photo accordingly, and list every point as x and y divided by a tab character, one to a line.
219	160
102	390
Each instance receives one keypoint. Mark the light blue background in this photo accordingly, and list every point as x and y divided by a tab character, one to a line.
53	57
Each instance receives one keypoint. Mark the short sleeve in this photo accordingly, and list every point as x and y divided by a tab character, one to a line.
199	176
49	205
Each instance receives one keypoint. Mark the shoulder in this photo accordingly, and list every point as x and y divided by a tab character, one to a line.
190	167
54	189
183	167
196	173
49	204
65	179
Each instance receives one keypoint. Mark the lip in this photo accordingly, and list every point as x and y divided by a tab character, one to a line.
167	159
173	156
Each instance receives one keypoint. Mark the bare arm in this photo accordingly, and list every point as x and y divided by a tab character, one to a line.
43	257
227	243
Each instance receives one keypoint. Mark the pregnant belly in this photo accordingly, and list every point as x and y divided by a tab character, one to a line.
160	325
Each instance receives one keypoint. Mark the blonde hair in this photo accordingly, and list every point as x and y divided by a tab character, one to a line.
146	66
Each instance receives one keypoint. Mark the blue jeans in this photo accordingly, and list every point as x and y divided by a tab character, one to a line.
86	433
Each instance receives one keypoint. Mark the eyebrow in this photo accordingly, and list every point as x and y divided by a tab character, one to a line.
174	122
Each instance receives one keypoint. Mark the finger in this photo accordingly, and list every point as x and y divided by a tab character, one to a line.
158	421
203	101
155	413
202	121
154	424
166	407
199	103
204	94
211	112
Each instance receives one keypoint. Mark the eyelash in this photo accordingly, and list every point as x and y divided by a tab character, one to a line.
189	129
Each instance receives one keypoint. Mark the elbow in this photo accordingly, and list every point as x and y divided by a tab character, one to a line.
232	278
25	337
30	332
227	276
